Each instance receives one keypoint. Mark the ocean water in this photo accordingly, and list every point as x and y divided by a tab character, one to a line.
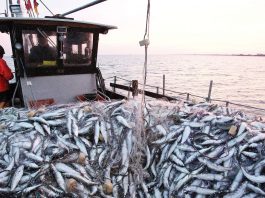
239	79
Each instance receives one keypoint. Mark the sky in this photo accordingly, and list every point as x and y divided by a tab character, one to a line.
176	26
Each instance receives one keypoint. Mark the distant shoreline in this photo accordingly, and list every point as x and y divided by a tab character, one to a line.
255	55
228	54
249	55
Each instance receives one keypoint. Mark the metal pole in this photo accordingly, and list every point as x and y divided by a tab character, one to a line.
188	96
7	8
82	7
135	88
210	91
115	80
157	90
164	82
130	84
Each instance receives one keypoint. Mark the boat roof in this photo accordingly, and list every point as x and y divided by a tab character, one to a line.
53	22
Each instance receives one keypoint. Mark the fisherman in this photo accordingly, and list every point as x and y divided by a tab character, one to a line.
5	76
42	52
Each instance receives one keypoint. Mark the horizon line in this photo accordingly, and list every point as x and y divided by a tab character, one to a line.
209	54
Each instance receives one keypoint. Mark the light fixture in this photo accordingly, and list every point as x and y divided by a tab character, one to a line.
15	9
18	46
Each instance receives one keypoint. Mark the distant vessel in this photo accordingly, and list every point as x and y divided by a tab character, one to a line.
248	54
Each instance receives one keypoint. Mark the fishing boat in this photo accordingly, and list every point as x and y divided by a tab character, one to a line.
55	59
67	70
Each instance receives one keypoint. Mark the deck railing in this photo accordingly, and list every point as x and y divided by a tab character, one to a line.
180	95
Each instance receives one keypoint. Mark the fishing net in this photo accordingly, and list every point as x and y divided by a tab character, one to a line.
108	134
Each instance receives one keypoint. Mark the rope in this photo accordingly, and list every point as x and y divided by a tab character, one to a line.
141	131
146	34
46	7
123	79
14	94
197	96
108	78
23	66
21	62
43	33
146	43
26	79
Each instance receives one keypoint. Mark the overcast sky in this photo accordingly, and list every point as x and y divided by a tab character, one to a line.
176	26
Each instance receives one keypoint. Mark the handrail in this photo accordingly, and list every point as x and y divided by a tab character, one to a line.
180	93
237	104
147	93
106	97
148	85
190	94
123	79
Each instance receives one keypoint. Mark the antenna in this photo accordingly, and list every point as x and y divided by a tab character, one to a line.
7	8
4	13
82	7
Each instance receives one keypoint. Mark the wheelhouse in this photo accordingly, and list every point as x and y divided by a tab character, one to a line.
55	59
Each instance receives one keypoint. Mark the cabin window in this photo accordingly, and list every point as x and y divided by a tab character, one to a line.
77	48
40	48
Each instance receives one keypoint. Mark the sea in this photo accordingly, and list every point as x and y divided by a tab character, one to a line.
238	79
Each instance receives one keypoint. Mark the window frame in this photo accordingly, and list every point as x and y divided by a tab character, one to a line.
90	57
60	68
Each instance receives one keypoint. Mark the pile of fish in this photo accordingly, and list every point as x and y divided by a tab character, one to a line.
126	149
203	150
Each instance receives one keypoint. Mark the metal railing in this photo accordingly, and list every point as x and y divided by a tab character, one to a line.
187	94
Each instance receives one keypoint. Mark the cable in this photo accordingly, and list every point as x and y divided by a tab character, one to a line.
43	33
108	78
21	62
46	7
146	34
146	43
13	96
19	58
26	78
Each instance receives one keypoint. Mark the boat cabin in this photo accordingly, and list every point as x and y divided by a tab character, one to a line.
55	59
